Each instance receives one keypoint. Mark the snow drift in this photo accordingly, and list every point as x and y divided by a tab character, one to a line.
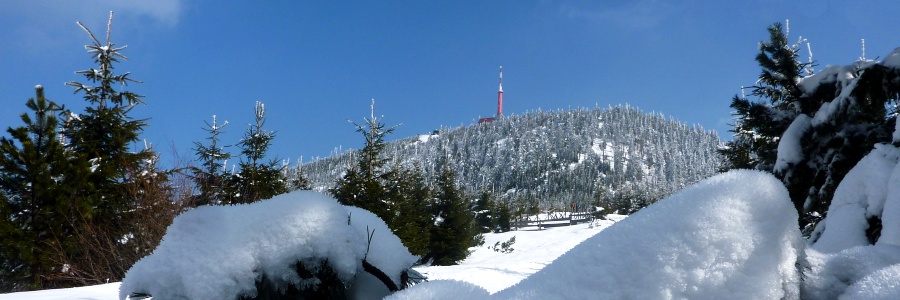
219	252
732	236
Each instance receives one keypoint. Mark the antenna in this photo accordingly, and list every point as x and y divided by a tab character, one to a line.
500	94
863	57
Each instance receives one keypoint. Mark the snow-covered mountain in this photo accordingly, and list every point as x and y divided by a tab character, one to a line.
556	158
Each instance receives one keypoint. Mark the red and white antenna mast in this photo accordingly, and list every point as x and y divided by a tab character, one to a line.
500	94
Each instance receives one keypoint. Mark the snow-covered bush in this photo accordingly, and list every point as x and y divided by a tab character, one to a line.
294	241
856	249
871	190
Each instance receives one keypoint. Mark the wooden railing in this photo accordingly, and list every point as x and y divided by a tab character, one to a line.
553	221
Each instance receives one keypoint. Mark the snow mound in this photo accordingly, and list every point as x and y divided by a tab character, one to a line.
441	290
731	236
863	194
218	252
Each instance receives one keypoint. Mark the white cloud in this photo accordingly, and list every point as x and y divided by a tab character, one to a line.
162	12
644	14
38	27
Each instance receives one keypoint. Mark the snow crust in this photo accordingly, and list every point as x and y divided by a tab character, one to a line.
863	194
217	252
790	150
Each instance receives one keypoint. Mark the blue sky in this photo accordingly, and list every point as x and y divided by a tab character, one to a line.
427	64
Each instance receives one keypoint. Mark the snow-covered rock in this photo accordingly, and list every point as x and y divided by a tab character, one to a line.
218	252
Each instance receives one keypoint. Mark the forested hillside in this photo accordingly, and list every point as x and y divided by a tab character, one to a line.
617	157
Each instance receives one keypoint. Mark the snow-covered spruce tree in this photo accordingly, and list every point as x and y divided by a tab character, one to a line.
844	112
759	124
257	179
210	177
454	231
812	129
34	189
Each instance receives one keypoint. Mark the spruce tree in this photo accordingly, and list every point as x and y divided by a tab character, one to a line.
363	185
809	131
455	230
410	198
102	135
296	178
845	111
211	177
258	179
759	124
501	217
484	212
34	189
110	174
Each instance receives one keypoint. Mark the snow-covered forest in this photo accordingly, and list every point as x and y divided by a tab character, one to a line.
619	156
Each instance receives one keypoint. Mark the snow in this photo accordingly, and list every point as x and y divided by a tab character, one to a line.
442	290
94	292
424	138
890	216
881	284
266	238
892	60
790	150
841	75
830	275
862	194
896	137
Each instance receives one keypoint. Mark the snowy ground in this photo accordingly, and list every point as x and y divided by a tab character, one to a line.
491	270
533	250
109	291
